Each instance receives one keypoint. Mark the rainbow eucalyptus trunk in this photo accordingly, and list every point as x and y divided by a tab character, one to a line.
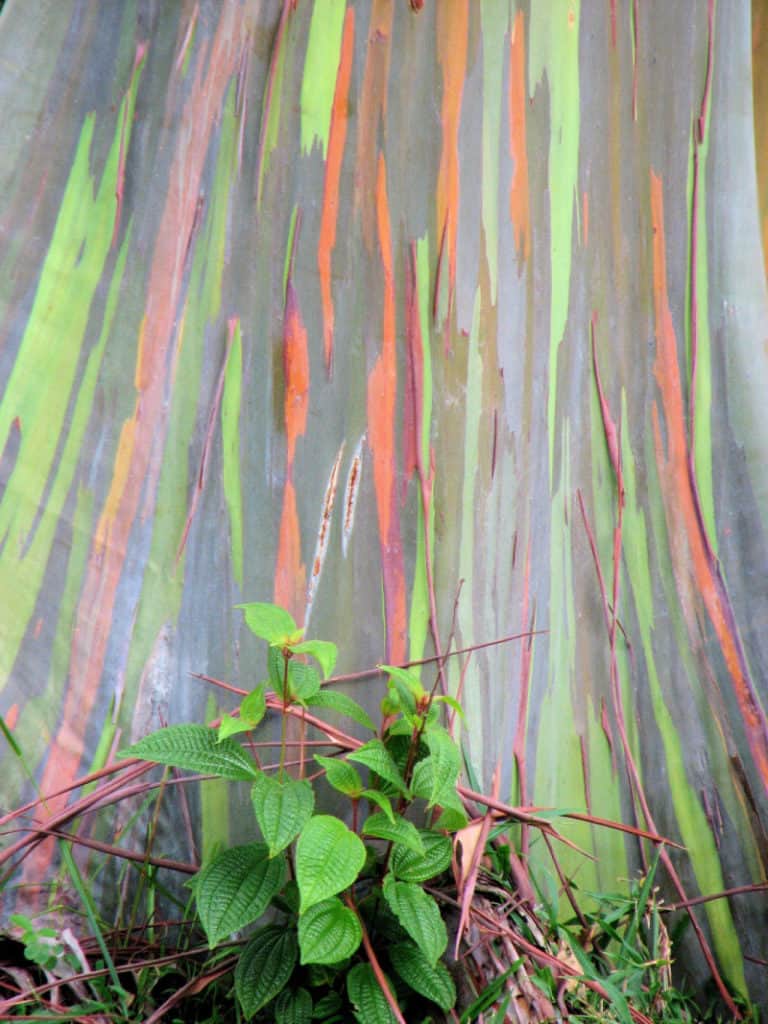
325	303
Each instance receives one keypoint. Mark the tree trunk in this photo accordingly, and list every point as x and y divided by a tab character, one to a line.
314	303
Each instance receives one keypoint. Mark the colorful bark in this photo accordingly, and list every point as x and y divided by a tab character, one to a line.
435	207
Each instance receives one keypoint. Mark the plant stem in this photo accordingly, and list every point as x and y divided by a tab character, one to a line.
284	723
372	959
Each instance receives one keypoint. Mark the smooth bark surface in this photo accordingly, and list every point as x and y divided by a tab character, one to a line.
309	302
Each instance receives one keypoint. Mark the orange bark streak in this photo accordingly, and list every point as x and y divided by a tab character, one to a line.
452	33
296	367
290	573
518	189
382	389
336	139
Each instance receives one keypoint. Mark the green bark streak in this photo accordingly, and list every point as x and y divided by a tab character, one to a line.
230	449
320	67
554	51
419	614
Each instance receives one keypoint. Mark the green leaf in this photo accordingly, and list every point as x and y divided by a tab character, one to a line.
410	866
293	1007
365	994
407	686
328	859
254	706
343	704
282	807
381	800
236	888
399	831
328	932
435	778
230	726
303	680
403	726
433	981
446	761
327	1005
323	651
453	815
374	755
268	622
252	710
419	915
264	967
341	775
452	703
195	748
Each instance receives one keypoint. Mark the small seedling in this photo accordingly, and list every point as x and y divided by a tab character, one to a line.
41	945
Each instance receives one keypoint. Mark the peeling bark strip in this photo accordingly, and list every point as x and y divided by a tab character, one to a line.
145	430
696	569
351	491
323	534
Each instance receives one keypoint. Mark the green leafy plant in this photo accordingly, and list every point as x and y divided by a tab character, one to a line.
41	945
339	922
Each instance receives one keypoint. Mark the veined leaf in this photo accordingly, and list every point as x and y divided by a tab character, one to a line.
268	622
229	726
431	980
409	866
419	915
374	755
365	994
328	932
323	651
446	759
434	778
327	1006
252	710
293	1007
340	702
452	703
329	858
195	748
341	775
407	685
381	800
264	967
399	831
451	818
254	706
236	888
282	807
303	680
